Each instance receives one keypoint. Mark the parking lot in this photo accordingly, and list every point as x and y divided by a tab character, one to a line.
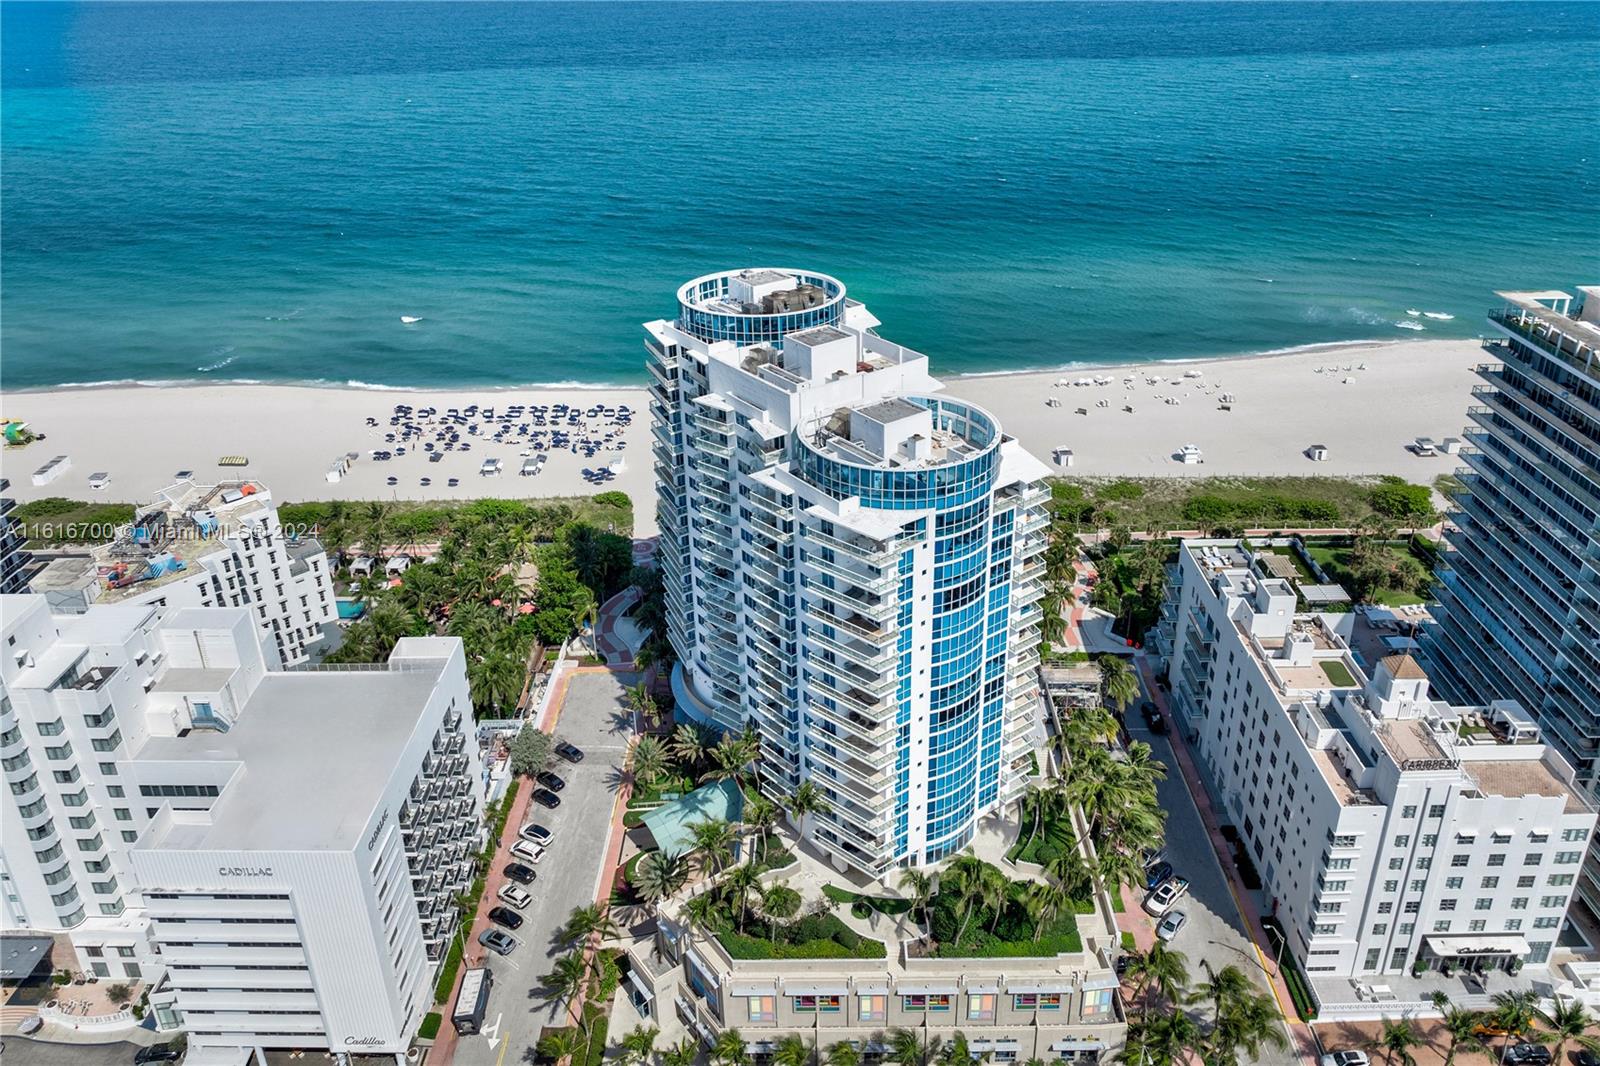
1215	931
594	716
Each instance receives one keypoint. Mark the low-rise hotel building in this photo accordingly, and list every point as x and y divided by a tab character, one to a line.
1056	1008
276	853
851	563
205	546
1389	827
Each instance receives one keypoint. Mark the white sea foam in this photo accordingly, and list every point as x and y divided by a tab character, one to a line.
1408	324
1440	315
227	356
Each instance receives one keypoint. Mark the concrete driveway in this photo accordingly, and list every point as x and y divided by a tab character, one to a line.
594	715
1215	931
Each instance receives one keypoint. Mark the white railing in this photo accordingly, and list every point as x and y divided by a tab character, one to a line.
122	1019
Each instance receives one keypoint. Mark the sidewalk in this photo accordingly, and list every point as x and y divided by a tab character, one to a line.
1300	1033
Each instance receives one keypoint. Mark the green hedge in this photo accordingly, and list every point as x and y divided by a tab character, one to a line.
430	1026
881	904
1293	977
818	936
986	947
600	1022
447	972
1128	942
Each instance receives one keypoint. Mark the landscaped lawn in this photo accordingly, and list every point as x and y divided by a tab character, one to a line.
1337	674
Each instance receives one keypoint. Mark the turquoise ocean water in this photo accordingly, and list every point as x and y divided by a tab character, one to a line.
260	191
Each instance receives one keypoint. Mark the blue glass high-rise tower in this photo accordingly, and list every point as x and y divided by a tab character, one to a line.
852	563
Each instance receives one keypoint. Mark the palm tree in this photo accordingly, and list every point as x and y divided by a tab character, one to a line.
1514	1012
994	892
910	1048
683	1053
638	1045
1397	1038
1163	970
957	1052
741	881
729	1049
844	1053
1118	682
561	1043
1569	1021
805	800
713	840
374	528
585	923
1043	902
649	759
779	904
965	877
731	758
793	1051
1249	1021
642	702
1460	1026
761	815
687	746
567	984
920	886
1164	1040
658	875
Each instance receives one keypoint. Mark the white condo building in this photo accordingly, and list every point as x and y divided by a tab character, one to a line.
275	852
1390	828
206	546
852	564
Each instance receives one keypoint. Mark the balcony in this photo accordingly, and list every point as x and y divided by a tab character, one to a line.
854	600
869	552
874	657
856	625
851	698
862	734
879	584
874	683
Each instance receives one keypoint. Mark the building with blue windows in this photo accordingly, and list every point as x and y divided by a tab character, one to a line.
852	563
1519	591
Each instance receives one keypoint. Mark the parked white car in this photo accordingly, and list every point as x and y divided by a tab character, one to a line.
527	852
517	897
1165	895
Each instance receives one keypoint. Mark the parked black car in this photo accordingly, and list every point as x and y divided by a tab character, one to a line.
569	752
157	1053
1153	720
521	874
545	798
1529	1055
505	916
550	781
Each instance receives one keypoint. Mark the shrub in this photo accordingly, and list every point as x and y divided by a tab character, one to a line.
430	1026
860	909
1396	498
1119	490
613	499
447	972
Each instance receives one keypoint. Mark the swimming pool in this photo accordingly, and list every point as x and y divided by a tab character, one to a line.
351	608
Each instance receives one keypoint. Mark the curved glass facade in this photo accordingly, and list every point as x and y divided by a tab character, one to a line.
721	325
945	486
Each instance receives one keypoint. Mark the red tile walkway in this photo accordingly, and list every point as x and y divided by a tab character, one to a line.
1300	1032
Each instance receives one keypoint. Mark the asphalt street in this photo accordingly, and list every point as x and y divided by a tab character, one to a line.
1215	931
595	717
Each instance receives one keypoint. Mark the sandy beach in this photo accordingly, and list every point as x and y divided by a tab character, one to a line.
1280	405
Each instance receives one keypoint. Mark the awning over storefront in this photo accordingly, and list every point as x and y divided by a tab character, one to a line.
908	988
1064	987
1078	1044
644	990
753	988
814	990
1468	946
871	988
